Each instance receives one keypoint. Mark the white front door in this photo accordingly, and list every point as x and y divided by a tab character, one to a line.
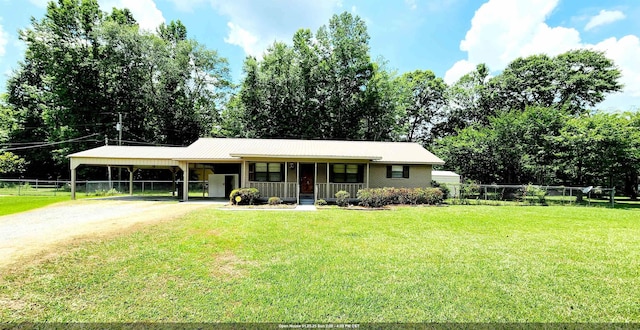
216	185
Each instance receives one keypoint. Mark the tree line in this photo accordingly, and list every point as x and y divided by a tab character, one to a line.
530	123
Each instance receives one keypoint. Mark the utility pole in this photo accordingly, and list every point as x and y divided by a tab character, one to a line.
119	129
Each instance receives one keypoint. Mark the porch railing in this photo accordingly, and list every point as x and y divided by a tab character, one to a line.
270	189
329	190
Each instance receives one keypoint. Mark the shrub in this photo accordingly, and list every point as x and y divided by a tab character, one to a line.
372	197
433	196
379	197
110	192
321	202
470	189
443	187
342	198
534	194
243	196
274	201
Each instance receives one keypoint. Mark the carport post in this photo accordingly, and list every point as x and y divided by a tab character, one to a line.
185	187
131	170
73	184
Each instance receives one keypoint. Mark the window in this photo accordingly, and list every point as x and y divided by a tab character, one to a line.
272	172
347	173
398	171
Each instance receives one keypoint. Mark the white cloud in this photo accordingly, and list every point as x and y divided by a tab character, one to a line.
4	39
458	70
254	25
623	52
502	30
243	38
144	11
604	17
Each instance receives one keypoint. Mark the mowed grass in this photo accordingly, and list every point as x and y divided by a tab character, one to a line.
15	204
425	264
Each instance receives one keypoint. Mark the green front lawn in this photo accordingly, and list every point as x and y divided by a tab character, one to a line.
434	264
15	204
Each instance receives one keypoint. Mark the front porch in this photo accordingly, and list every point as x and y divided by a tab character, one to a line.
296	181
290	191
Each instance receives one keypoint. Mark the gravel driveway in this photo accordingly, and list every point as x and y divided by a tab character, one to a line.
34	232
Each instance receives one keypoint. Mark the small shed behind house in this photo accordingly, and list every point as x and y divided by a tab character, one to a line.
451	179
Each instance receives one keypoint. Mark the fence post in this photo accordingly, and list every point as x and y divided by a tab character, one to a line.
613	197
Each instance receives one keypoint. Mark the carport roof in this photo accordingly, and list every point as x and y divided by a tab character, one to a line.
129	152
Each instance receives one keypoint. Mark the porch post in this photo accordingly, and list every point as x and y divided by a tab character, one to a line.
326	195
243	175
73	183
286	183
315	183
298	183
368	175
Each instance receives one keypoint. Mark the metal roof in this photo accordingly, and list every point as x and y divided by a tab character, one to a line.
386	152
444	173
139	152
222	149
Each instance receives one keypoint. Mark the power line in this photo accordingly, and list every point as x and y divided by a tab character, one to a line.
52	143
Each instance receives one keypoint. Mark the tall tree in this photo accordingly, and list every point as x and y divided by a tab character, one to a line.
422	99
317	88
83	67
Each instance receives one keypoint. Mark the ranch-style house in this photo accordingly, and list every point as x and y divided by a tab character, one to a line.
294	170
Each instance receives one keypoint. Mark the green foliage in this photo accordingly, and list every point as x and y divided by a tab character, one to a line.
534	194
110	192
342	198
243	196
11	164
421	100
379	197
443	187
469	190
83	67
274	201
321	202
323	86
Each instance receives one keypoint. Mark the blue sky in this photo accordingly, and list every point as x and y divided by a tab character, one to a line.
448	37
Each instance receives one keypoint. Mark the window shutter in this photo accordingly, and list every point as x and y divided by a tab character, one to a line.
361	173
388	171
405	171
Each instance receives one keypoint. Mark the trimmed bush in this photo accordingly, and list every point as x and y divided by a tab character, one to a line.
342	198
379	197
243	196
274	201
321	202
443	187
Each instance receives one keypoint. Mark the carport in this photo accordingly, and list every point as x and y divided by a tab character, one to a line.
132	159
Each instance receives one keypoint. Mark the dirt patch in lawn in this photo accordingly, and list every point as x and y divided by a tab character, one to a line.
43	233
